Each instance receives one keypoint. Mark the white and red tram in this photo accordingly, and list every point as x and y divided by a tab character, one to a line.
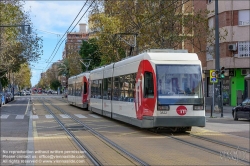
78	90
156	89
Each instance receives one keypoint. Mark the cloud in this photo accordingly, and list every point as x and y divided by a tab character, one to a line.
50	17
55	16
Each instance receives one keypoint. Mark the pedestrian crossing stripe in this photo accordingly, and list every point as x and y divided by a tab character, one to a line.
64	116
95	116
48	116
34	116
19	116
4	116
80	116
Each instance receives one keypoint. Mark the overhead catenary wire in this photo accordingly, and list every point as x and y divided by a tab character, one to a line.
49	32
72	30
150	19
67	31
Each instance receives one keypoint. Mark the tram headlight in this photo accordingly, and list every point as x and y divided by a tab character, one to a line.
198	107
163	107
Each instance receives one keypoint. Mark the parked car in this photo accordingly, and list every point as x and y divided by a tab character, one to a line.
9	96
22	93
17	93
27	92
242	110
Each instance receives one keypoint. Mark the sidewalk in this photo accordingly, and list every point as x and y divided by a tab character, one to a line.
227	112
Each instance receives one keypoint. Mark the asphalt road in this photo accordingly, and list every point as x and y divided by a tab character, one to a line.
16	125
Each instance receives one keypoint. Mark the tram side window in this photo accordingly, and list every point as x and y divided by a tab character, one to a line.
69	89
96	89
76	89
148	85
124	87
106	88
109	88
80	89
116	90
94	85
99	89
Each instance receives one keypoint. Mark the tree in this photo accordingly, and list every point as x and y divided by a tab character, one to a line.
159	24
22	77
63	68
16	48
108	45
89	51
55	84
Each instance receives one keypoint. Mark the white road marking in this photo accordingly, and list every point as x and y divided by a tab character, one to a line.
95	116
4	116
64	116
27	108
49	116
34	116
19	116
80	116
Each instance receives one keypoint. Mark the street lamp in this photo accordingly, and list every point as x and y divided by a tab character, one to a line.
22	28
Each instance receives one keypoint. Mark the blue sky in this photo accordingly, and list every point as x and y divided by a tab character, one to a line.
51	19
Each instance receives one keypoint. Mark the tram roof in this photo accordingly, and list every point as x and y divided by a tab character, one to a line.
161	56
156	55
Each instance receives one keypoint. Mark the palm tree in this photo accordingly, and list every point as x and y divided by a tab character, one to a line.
63	69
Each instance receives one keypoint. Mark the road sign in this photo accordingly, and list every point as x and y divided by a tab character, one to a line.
231	72
213	78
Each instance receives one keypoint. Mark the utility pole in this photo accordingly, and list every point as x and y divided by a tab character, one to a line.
217	55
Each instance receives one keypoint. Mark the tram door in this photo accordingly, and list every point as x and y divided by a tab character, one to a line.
85	90
145	98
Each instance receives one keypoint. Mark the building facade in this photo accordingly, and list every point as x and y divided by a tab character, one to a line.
74	41
234	49
72	47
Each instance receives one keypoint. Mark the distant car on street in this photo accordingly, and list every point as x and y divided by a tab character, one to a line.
9	96
22	93
27	92
242	110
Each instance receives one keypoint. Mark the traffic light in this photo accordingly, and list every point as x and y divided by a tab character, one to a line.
216	74
222	71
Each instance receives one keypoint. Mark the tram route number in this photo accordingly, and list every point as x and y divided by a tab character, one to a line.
163	112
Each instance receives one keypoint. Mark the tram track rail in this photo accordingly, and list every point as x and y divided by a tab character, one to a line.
232	154
111	144
86	151
227	150
221	143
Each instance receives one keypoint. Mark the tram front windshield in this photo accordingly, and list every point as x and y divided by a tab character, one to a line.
179	84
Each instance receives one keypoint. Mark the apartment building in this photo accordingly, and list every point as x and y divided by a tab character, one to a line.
72	47
74	41
234	48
